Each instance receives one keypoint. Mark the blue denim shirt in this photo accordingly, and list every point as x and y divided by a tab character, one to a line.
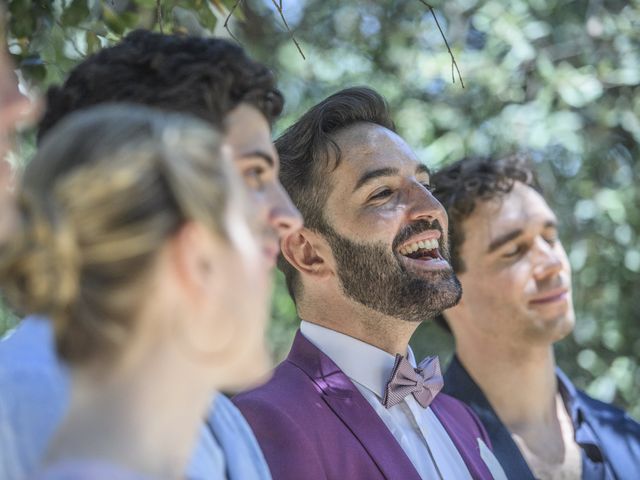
34	393
608	437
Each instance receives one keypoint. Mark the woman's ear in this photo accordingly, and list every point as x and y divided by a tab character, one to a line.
203	330
308	252
193	251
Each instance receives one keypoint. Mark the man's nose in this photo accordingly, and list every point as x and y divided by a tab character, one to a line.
548	261
424	206
284	217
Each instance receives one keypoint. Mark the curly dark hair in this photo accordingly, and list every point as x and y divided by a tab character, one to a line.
308	153
460	186
205	77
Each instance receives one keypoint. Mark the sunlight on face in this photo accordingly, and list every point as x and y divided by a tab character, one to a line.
517	278
248	267
388	233
257	161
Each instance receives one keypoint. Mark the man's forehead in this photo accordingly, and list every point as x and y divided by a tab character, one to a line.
365	145
520	208
364	135
249	135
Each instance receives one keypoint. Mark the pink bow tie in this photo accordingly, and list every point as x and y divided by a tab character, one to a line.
423	382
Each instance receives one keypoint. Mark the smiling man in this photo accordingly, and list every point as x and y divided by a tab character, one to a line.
368	268
517	302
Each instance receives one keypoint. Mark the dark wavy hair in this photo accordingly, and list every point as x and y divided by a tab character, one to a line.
205	77
460	186
308	153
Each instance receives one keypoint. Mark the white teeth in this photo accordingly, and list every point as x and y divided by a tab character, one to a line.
424	244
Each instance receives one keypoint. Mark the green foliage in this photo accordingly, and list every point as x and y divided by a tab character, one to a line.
48	37
7	319
559	78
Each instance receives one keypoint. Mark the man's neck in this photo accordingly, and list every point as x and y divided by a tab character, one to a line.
520	384
350	318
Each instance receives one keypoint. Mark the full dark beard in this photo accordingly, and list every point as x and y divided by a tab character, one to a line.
372	275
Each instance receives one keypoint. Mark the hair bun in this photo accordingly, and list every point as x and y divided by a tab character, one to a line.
39	263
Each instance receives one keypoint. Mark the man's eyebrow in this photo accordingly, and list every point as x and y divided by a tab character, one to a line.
502	239
422	168
507	237
372	174
259	153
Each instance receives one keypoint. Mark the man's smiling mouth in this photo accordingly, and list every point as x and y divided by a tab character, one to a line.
421	250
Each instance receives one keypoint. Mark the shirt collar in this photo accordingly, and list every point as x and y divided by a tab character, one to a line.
363	363
570	397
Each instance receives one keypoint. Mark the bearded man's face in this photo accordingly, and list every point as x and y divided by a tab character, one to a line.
387	232
373	275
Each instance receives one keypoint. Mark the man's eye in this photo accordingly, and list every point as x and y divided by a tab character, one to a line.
513	252
427	185
381	194
551	240
253	176
254	172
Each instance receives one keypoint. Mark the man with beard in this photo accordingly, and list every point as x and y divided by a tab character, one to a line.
516	304
370	265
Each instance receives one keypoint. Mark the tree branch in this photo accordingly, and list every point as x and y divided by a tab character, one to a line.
226	21
454	64
159	15
278	6
71	40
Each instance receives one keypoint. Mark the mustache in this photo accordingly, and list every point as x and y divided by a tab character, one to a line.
415	228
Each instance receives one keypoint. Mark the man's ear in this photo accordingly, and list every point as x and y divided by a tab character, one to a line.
308	252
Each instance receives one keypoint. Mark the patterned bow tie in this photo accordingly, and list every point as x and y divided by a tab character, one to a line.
423	382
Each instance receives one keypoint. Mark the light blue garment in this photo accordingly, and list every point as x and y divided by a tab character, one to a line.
34	392
83	470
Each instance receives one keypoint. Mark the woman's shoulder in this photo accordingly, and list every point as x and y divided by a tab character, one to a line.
243	456
225	414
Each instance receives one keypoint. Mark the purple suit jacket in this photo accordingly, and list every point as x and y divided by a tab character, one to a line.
312	422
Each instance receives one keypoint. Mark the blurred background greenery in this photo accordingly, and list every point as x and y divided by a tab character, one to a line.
557	78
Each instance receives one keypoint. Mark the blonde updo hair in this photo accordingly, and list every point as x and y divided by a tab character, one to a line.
107	188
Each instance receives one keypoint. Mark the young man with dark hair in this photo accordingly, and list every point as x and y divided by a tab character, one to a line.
206	77
370	265
517	302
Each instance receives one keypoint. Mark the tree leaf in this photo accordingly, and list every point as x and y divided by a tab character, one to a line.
75	13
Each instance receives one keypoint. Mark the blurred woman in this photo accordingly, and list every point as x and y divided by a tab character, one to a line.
134	237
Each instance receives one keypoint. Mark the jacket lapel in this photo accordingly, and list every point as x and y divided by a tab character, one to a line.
344	399
464	441
459	384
